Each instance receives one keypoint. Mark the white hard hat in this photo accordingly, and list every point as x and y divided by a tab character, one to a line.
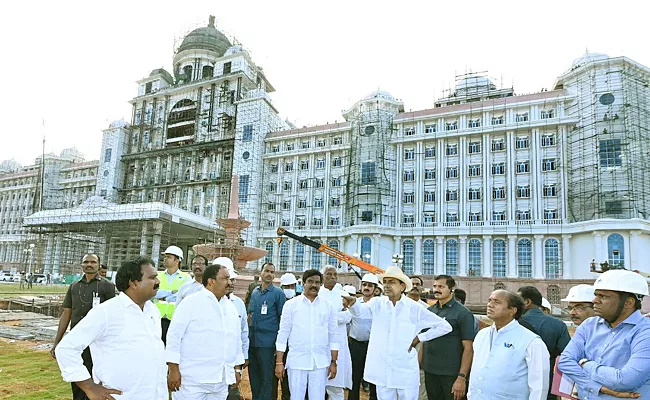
371	278
288	279
546	303
175	250
226	262
580	294
349	290
381	287
621	280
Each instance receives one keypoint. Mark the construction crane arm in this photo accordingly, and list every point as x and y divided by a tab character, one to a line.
324	248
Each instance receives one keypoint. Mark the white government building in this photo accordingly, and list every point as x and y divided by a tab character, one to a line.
486	183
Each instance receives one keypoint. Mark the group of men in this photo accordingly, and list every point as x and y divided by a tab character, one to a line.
169	332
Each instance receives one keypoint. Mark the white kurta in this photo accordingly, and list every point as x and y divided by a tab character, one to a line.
344	365
389	363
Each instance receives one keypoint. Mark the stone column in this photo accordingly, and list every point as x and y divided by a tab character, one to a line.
512	257
155	245
600	249
566	257
462	256
397	245
49	249
487	256
632	260
143	240
374	255
538	254
440	255
418	255
58	242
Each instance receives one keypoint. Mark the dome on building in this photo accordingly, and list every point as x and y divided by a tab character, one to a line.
206	38
588	57
9	166
474	83
380	94
119	123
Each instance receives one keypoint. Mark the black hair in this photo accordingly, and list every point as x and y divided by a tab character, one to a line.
311	272
205	260
460	295
211	273
515	301
531	293
103	266
130	271
99	260
451	283
418	278
265	264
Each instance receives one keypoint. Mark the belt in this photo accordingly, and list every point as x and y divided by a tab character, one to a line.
359	341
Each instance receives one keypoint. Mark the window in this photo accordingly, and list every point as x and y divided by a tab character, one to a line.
286	186
334	221
274	167
429	197
304	145
269	248
497	120
318	222
291	146
522	142
525	258
547	114
499	193
285	222
549	164
244	181
368	173
275	148
316	257
499	258
336	162
451	126
451	217
553	294
474	194
521	117
320	163
475	216
107	155
452	149
288	166
366	248
248	133
474	147
452	172
550	214
428	257
452	195
408	198
335	245
300	220
409	154
429	152
302	203
474	170
609	152
498	145
548	140
338	140
552	258
284	255
304	164
498	169
408	218
474	258
318	203
522	215
409	176
227	68
366	216
303	184
299	257
614	207
320	183
320	143
429	174
408	251
430	129
335	202
451	251
498	216
550	191
286	205
409	131
429	217
523	167
616	251
474	123
338	181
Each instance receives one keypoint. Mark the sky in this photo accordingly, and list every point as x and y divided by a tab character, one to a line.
69	67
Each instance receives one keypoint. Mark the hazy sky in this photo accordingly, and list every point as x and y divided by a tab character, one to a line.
74	63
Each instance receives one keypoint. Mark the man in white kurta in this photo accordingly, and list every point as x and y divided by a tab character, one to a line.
204	341
392	362
124	335
309	326
331	291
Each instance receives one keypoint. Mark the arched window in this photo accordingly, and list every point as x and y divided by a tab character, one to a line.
408	251
525	258
187	70
335	245
616	251
299	257
552	258
316	258
207	71
474	258
499	258
499	286
366	249
452	257
553	294
284	255
268	247
428	253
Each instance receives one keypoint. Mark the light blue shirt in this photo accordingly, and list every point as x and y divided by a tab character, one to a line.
619	358
168	293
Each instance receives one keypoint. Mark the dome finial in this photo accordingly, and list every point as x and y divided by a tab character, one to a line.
211	22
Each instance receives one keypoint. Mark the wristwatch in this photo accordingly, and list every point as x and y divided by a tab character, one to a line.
238	371
334	362
462	375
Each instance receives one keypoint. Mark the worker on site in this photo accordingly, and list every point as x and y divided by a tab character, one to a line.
171	280
581	303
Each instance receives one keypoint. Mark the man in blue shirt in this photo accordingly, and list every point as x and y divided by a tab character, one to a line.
264	311
609	355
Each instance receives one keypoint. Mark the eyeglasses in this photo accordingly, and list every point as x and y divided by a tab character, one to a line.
579	307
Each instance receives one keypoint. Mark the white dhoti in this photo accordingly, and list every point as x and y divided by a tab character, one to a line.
209	391
300	380
384	393
335	392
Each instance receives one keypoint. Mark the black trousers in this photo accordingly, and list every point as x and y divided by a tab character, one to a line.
439	386
77	393
286	395
358	353
164	322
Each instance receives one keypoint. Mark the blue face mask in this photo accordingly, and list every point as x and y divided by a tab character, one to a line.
298	288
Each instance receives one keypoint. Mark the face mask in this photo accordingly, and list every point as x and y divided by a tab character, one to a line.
298	288
289	293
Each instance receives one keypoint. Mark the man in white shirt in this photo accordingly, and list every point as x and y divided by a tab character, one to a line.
124	335
197	372
509	360
308	324
195	284
396	325
332	292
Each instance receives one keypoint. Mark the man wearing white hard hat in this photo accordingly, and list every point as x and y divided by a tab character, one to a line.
359	337
392	362
171	280
546	306
194	284
609	355
581	307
